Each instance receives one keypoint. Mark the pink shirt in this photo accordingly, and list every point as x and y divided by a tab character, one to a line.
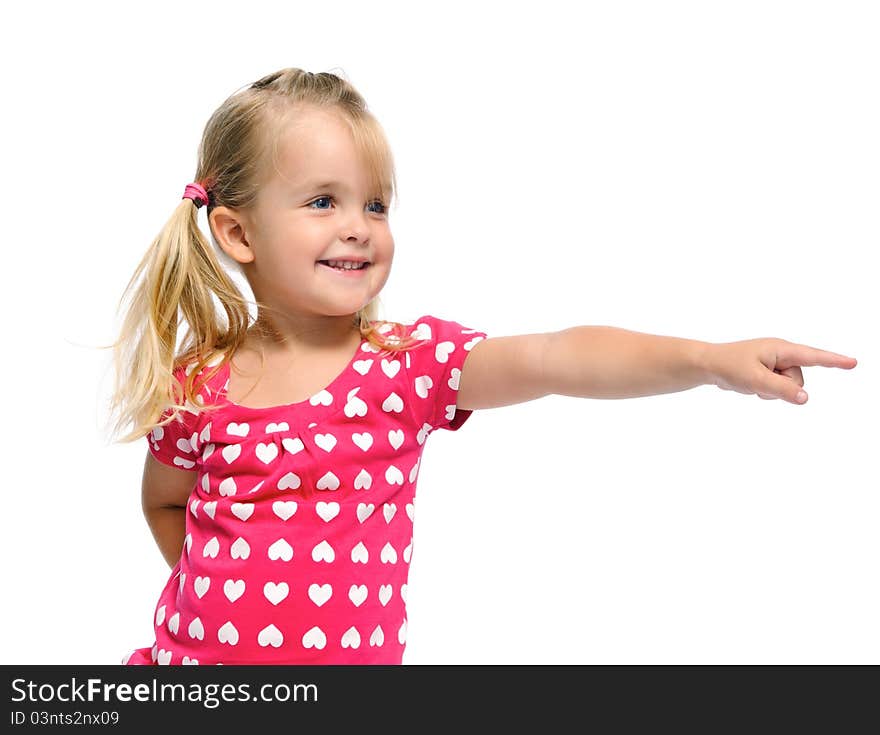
299	527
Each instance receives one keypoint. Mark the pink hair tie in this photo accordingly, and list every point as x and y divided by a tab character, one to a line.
197	193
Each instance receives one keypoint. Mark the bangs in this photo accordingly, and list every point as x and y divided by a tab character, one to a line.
376	157
369	139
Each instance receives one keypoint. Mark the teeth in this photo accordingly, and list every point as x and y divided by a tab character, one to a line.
346	264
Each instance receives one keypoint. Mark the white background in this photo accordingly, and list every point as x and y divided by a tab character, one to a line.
701	170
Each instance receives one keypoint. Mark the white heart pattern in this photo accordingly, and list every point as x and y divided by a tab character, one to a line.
393	403
355	406
363	481
357	594
351	638
364	511
294	445
242	511
324	398
201	585
388	554
393	476
211	548
284	509
331	475
276	592
227	486
325	441
443	350
390	367
359	553
328	482
314	638
323	552
395	438
196	630
290	481
320	593
240	549
266	452
422	385
327	511
388	510
364	441
270	636
228	633
280	550
385	594
233	589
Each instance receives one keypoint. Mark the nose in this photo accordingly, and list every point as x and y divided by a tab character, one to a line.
356	227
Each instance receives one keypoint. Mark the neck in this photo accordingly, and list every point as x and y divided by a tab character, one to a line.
298	334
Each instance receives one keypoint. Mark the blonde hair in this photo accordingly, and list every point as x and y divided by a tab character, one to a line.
181	274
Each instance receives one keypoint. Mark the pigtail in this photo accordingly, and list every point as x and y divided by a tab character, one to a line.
388	337
178	276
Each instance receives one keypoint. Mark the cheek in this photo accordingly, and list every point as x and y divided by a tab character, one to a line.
288	263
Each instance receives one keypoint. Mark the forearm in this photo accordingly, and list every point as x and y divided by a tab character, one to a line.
168	525
608	362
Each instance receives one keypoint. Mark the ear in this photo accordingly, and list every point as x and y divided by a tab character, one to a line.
229	227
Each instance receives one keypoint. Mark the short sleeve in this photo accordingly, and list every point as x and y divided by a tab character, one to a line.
434	370
177	442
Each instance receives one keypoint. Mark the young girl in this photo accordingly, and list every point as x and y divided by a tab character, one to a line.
283	455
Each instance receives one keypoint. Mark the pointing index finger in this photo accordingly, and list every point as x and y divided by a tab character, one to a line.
806	356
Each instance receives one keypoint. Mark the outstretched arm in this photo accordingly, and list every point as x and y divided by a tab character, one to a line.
608	362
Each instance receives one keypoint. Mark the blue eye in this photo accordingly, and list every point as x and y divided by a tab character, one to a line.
383	209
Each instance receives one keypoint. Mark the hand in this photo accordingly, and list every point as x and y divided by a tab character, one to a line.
770	368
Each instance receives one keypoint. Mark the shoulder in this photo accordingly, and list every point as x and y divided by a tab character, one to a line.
208	381
440	342
430	328
434	368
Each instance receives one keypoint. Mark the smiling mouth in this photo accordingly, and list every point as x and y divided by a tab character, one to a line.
361	266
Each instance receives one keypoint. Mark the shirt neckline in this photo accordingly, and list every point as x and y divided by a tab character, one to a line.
336	388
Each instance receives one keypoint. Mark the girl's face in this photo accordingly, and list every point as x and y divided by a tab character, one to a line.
317	206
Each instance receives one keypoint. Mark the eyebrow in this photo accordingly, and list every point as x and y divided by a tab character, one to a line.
328	184
322	185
